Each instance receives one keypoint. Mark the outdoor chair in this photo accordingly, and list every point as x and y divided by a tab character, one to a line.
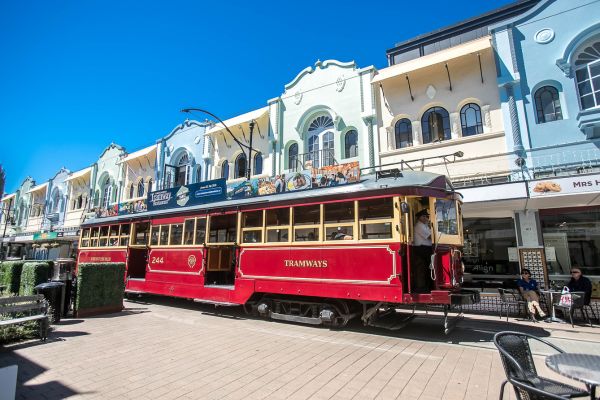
577	303
509	298
520	370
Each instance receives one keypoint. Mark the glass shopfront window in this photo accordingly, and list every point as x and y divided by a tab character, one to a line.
572	238
485	252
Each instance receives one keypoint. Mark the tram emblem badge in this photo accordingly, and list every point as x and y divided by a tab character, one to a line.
191	261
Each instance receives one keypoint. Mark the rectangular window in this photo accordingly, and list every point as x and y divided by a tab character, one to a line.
85	243
86	233
200	231
446	218
278	217
278	235
338	212
103	242
188	232
252	226
154	235
278	225
114	230
95	232
223	228
307	215
306	234
140	233
252	236
376	218
163	238
104	231
176	234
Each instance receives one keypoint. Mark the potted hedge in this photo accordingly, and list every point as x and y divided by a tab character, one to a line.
100	288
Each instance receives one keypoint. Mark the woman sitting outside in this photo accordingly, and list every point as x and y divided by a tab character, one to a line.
529	290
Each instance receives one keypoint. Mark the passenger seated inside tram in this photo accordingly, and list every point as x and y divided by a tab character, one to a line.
341	234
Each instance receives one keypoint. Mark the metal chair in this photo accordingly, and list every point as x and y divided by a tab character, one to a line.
511	297
521	372
577	303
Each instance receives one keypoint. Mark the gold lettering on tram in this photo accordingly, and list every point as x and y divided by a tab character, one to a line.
306	263
100	259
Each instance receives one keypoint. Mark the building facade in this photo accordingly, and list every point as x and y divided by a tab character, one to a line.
548	76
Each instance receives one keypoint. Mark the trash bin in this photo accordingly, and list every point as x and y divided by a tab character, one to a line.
54	293
64	271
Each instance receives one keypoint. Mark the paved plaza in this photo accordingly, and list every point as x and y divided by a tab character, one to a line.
162	348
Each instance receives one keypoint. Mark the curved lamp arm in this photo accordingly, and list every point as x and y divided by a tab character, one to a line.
242	146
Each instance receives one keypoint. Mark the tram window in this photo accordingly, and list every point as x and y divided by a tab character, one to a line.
176	234
339	212
125	230
446	217
200	231
140	233
94	243
307	215
376	208
104	231
154	235
85	243
114	230
345	232
277	235
254	236
95	232
86	233
278	217
252	219
223	228
163	237
382	230
306	234
188	231
124	241
103	242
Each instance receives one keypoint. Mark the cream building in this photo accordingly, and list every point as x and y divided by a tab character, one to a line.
78	200
138	174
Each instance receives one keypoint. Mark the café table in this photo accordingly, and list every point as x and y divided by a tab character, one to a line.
580	367
551	294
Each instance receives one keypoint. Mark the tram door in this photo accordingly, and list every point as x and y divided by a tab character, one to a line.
420	249
137	259
220	266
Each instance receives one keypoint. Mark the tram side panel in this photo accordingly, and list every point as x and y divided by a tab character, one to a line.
354	271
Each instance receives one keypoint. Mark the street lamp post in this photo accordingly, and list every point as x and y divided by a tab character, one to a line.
243	147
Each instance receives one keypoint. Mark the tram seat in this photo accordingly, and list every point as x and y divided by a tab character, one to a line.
520	370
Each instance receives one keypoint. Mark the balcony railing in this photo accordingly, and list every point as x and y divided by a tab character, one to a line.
313	159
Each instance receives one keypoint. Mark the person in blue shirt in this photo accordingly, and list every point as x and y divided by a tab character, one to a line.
529	290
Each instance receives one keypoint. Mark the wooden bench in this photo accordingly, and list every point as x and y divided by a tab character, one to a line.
29	308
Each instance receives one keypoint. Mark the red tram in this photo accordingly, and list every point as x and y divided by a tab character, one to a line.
320	256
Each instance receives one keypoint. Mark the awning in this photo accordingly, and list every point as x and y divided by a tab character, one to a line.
79	174
8	197
140	153
239	120
38	188
439	57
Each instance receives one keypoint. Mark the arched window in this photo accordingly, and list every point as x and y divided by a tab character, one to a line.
140	188
547	104
131	191
79	202
403	133
56	201
293	156
183	171
320	141
106	194
436	125
240	166
225	169
351	144
587	75
258	161
199	174
149	184
470	119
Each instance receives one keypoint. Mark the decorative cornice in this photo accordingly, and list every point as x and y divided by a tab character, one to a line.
185	124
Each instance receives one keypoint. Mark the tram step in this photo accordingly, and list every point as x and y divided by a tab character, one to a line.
392	321
216	303
296	318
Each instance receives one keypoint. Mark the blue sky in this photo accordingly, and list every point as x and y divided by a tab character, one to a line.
77	75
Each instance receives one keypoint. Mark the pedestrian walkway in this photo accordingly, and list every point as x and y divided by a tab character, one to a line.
174	349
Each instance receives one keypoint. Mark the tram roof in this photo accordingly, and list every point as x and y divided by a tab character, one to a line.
368	183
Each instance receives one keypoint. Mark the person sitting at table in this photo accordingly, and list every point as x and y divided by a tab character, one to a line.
580	283
529	290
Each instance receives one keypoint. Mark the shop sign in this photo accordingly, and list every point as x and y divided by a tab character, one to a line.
188	195
568	185
45	235
25	238
72	233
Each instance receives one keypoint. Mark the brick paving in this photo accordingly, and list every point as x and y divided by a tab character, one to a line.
174	349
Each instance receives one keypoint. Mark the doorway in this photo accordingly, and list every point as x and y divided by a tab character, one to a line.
220	266
137	259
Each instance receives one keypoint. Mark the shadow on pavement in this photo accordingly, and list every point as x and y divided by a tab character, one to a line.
29	370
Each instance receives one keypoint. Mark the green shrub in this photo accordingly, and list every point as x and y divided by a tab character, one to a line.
33	274
10	275
100	285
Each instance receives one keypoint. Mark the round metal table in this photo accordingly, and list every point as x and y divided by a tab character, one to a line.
580	367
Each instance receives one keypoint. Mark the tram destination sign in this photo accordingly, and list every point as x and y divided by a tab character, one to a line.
188	195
